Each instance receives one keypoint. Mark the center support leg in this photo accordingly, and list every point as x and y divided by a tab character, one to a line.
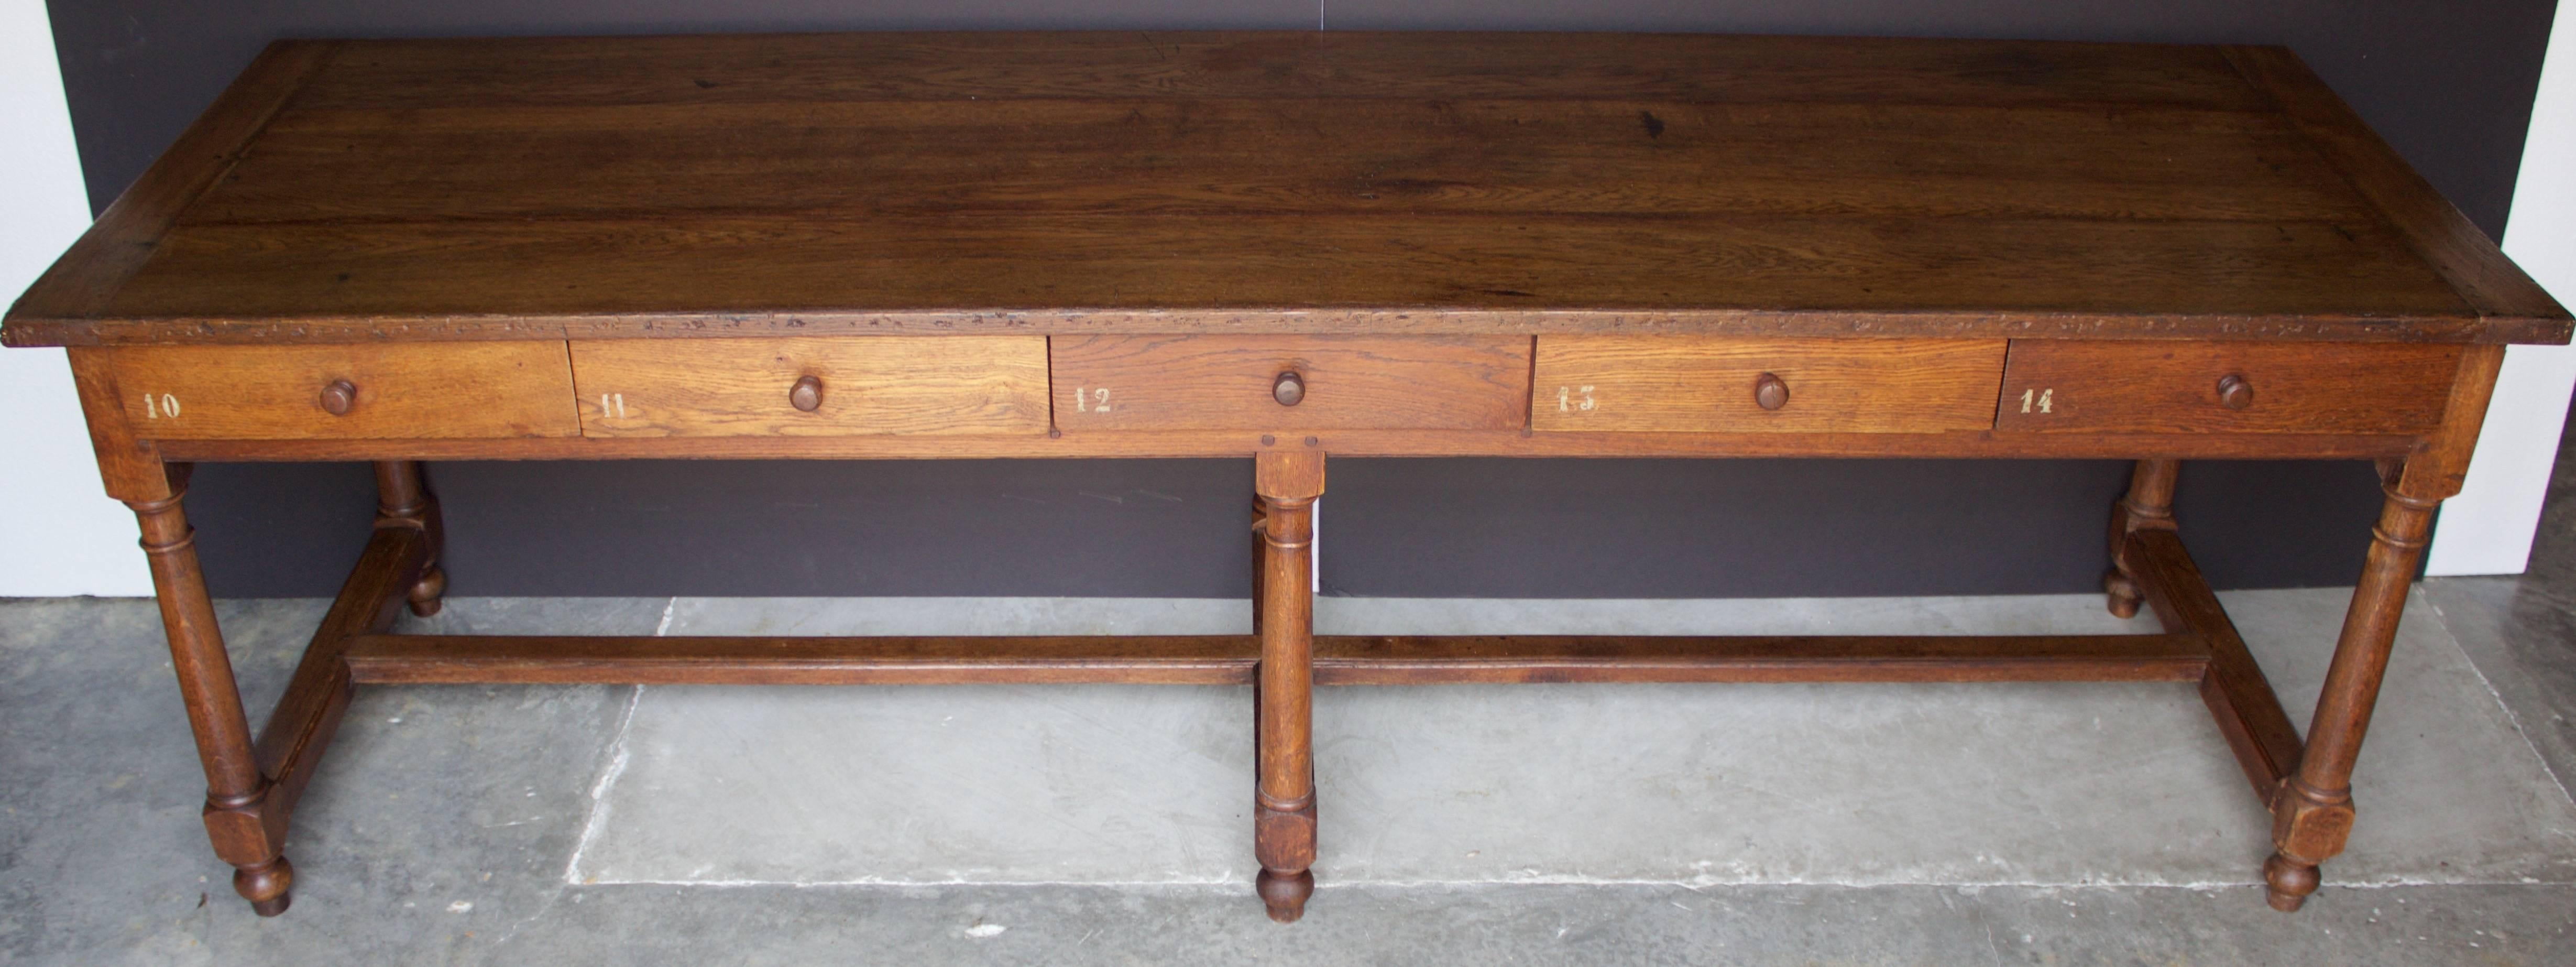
1286	485
401	501
2148	506
236	791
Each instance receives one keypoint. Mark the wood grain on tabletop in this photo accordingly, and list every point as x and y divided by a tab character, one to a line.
1457	183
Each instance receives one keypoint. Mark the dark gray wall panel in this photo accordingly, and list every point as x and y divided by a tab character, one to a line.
2449	84
891	527
1797	528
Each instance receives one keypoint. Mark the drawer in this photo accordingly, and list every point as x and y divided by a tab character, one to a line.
1696	384
415	391
855	386
1341	382
2179	387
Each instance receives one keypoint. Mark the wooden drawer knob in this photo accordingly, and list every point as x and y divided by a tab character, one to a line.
807	394
1289	389
2234	392
1770	392
339	397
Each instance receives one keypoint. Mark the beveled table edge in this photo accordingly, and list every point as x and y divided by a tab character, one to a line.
28	331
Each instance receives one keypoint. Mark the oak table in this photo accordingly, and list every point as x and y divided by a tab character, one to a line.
1274	247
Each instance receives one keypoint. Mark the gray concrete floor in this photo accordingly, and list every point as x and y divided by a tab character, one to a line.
443	826
1813	784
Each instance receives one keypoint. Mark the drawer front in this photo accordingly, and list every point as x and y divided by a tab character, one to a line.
1342	382
413	391
2224	387
1694	384
858	386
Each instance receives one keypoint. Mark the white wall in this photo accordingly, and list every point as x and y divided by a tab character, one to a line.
2488	528
59	532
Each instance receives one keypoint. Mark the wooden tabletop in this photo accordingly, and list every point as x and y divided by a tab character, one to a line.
1278	182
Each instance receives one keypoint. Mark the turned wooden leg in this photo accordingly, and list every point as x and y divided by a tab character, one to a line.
2312	808
2149	505
402	501
1284	797
236	792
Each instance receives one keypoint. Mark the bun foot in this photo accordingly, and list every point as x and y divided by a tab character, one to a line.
266	886
430	594
2123	594
1285	894
2286	884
